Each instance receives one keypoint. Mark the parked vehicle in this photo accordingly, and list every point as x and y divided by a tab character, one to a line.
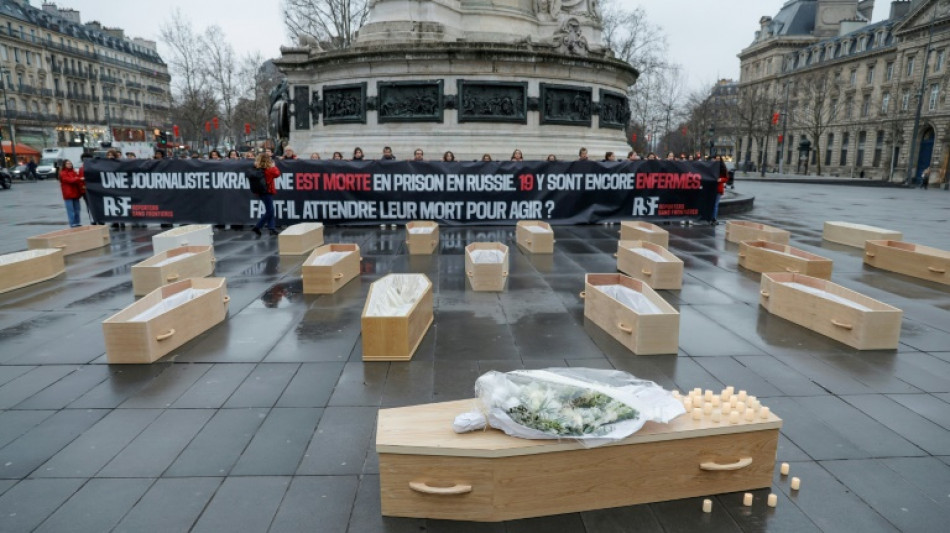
52	160
6	178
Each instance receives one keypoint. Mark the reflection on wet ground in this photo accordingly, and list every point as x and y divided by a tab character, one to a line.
275	406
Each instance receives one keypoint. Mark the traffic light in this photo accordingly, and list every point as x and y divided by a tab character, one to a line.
163	138
208	126
175	130
247	128
215	121
633	137
775	117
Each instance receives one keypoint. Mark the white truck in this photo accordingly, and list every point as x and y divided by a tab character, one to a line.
52	159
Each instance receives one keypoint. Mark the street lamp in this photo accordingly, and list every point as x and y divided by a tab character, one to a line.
6	105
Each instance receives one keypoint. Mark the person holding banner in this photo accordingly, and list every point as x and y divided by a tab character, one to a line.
73	188
266	165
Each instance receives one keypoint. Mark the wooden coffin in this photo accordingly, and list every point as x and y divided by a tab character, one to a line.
850	234
535	236
330	267
190	235
426	470
924	262
299	239
741	230
638	318
170	266
72	240
396	316
165	319
765	256
636	230
20	269
486	275
650	263
422	237
824	307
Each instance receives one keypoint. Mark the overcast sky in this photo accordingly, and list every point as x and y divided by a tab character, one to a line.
704	35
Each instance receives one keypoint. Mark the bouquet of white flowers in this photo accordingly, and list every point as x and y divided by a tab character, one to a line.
593	405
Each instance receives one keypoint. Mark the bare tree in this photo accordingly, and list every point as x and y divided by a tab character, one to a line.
222	70
633	38
814	111
754	118
194	101
333	23
258	77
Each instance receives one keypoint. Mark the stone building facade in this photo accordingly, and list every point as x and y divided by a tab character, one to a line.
68	83
851	88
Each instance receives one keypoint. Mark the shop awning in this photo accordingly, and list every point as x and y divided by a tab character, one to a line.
21	149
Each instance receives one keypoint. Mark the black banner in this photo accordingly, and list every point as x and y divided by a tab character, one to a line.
577	192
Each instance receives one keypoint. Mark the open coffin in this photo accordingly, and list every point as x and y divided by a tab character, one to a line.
165	319
832	310
535	236
651	263
170	266
765	256
396	316
851	234
19	269
636	230
486	265
924	262
190	235
632	313
330	267
422	237
300	238
742	230
72	240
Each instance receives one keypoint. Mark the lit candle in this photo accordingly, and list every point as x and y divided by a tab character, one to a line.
747	499
734	417
784	469
773	500
796	483
764	412
707	506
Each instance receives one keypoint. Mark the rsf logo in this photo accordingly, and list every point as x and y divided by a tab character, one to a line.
117	206
645	206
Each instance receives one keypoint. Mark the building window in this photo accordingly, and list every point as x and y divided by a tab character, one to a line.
862	138
4	52
834	108
885	103
878	148
854	77
889	72
845	139
870	78
848	108
934	95
16	55
865	106
938	64
910	66
905	101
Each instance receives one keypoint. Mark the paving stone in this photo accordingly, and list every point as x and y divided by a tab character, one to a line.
311	386
31	501
243	504
28	384
915	428
16	423
324	500
340	442
263	386
279	444
36	446
367	516
170	505
360	384
214	387
155	448
219	444
97	506
66	390
167	387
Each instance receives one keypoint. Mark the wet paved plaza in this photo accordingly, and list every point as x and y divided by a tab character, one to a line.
266	422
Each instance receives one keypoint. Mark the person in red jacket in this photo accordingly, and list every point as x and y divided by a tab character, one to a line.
271	173
74	187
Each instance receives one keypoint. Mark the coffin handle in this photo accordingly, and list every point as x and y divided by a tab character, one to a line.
741	254
624	328
937	270
60	246
764	294
647	272
716	467
615	254
166	335
870	254
841	325
425	488
470	274
338	276
214	259
792	270
527	242
583	294
173	277
504	274
227	299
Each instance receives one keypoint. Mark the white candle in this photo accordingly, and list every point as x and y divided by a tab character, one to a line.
749	415
742	395
764	412
707	408
697	414
724	396
715	401
676	394
734	417
731	390
784	469
796	483
688	404
747	499
707	506
708	395
716	417
697	391
740	407
733	401
773	500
